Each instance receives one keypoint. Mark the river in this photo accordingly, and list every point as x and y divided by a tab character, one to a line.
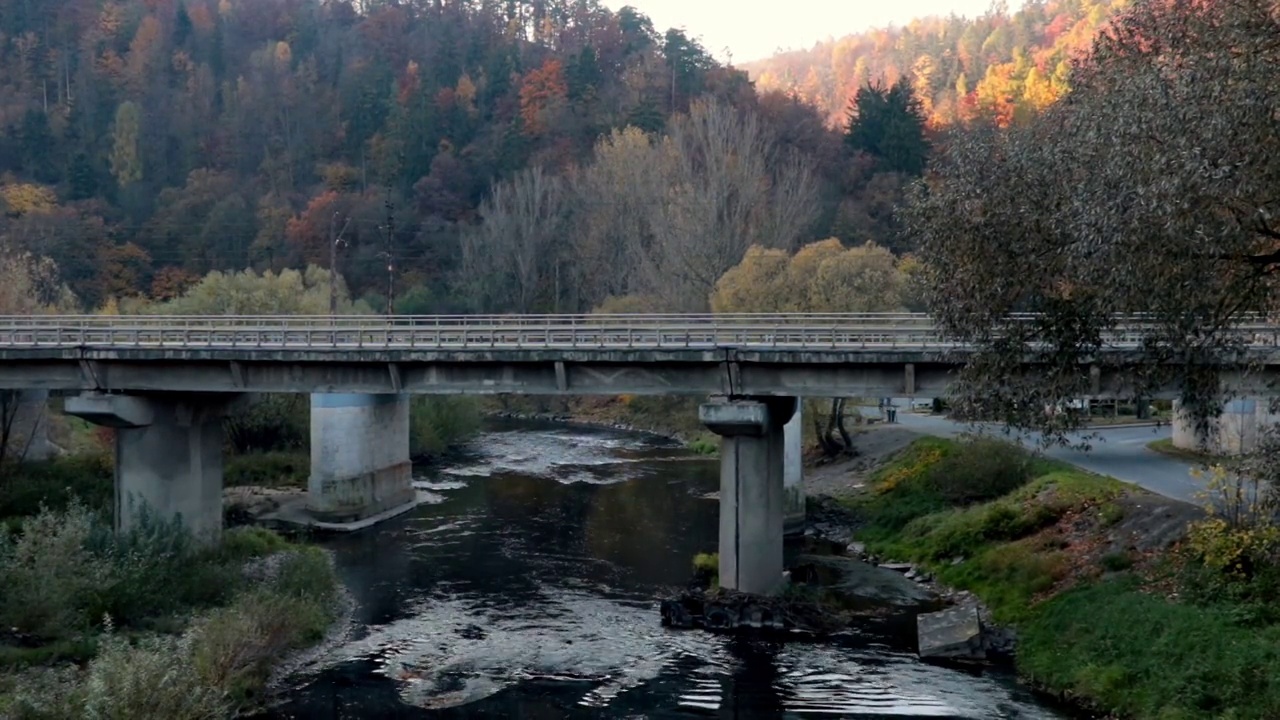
528	587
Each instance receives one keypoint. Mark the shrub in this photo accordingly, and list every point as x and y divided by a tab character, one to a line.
980	470
1233	550
271	423
268	469
54	484
437	423
704	446
233	647
153	679
244	543
307	572
49	575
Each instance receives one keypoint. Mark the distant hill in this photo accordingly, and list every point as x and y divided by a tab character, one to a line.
1001	64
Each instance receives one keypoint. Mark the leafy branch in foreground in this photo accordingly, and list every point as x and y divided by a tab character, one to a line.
1139	193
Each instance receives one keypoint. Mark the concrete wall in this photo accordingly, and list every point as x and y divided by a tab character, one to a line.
1234	432
359	455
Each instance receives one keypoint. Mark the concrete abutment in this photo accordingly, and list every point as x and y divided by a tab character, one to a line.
1237	430
360	465
752	489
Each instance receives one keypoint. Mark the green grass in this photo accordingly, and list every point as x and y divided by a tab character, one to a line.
1106	644
1165	447
703	445
1148	658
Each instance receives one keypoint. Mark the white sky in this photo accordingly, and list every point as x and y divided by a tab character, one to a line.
755	29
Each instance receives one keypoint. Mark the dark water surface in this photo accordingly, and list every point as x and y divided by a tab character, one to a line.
529	588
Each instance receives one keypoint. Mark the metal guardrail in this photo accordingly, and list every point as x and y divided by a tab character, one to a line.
799	331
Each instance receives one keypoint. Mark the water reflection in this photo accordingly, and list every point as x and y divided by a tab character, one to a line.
529	591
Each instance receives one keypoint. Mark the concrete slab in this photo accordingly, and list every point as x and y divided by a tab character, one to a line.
294	512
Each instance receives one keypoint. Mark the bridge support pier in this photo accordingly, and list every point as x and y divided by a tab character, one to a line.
168	455
359	456
752	495
793	472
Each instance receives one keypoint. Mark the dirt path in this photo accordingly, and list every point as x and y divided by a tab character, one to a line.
874	445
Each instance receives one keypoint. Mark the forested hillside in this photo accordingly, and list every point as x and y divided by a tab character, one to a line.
453	155
1000	65
144	143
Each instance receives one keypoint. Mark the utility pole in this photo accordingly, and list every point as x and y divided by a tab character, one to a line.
335	239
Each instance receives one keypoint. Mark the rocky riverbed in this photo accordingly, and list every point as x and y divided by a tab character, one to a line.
836	584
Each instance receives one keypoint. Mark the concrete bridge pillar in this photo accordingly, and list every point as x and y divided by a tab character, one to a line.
359	456
752	496
168	455
793	472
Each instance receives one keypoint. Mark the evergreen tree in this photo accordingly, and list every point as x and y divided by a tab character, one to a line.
888	124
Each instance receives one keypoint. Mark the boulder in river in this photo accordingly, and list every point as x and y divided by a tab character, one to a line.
951	634
855	585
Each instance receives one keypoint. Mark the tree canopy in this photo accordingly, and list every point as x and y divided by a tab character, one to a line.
1150	189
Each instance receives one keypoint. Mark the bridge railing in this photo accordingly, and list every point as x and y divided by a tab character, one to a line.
784	331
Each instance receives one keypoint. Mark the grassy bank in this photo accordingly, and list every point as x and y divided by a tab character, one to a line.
1186	632
149	624
1166	447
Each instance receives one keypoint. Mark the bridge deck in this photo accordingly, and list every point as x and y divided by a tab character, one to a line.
791	354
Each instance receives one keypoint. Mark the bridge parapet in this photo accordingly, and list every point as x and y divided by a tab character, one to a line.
794	331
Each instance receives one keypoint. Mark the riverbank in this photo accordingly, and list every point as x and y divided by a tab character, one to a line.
150	624
1120	601
674	418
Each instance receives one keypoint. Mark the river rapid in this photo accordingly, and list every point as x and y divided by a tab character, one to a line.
528	587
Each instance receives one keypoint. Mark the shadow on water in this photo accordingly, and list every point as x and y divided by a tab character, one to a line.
529	589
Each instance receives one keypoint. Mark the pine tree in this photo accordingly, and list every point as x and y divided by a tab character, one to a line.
889	124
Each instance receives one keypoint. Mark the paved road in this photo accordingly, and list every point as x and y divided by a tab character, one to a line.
1121	453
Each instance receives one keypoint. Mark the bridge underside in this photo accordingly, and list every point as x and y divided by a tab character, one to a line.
694	372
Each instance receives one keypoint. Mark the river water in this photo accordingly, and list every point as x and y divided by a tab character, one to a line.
528	588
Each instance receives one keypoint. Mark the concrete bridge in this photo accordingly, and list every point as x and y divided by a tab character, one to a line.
166	382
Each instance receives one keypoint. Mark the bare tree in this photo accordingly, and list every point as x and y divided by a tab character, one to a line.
613	197
515	252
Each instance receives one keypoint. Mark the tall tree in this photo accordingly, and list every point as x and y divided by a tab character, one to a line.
1136	194
126	160
889	124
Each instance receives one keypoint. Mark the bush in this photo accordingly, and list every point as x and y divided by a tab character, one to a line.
438	422
978	471
248	542
155	678
65	570
50	577
704	446
54	484
307	573
268	469
271	423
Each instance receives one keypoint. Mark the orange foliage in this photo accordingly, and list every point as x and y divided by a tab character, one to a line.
308	233
121	269
543	89
170	282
